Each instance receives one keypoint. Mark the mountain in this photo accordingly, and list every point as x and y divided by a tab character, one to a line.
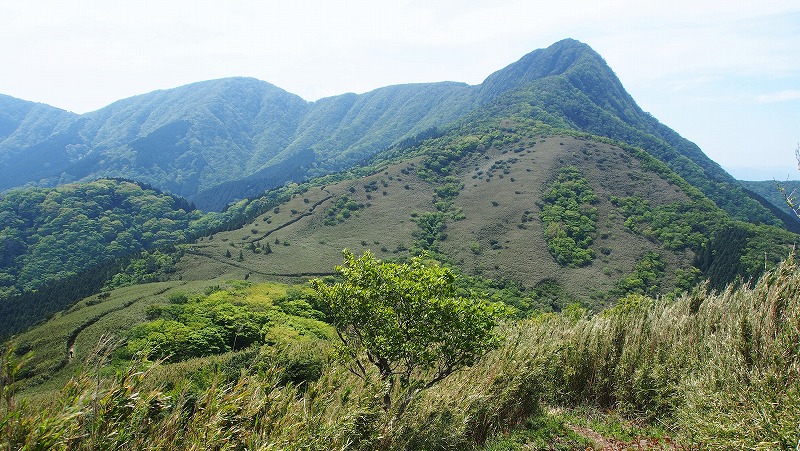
534	216
545	188
569	85
769	194
217	141
219	135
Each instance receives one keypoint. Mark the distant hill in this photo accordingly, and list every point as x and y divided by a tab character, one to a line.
221	134
217	141
47	234
768	191
480	197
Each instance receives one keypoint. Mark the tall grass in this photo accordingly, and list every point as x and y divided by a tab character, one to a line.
721	370
133	410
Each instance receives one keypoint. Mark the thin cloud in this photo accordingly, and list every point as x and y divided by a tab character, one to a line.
787	95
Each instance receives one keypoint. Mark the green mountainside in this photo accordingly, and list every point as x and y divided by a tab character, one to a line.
217	141
501	202
234	136
769	192
536	217
621	261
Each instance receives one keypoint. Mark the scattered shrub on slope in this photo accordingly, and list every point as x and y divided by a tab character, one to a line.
569	219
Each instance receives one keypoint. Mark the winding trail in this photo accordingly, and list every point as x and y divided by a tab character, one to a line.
308	212
195	250
73	336
227	262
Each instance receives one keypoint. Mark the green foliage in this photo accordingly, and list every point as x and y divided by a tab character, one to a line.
569	218
646	277
341	210
406	320
152	266
440	161
50	234
431	227
547	295
678	225
223	320
725	250
780	197
744	251
12	366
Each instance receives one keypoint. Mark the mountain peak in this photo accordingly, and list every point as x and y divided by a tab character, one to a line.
234	137
557	59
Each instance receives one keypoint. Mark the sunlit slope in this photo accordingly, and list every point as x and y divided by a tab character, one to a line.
500	236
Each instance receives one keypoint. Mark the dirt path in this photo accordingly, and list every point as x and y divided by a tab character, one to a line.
308	212
73	336
639	443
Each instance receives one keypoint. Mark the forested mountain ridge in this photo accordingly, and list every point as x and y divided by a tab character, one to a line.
221	140
47	234
197	137
769	190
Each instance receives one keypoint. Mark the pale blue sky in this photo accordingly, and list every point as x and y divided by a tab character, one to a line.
724	74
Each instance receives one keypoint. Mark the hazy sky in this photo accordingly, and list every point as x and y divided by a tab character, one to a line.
724	74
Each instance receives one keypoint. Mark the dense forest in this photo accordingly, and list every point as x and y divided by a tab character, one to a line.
52	233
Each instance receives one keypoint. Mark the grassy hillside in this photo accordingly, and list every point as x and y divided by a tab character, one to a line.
707	370
475	200
475	197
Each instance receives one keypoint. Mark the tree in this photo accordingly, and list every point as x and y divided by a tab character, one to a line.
790	198
406	320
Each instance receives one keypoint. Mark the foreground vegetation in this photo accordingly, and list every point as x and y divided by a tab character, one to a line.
719	370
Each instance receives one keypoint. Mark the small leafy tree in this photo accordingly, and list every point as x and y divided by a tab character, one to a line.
406	320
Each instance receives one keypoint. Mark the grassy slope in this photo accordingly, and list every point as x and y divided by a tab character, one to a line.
386	222
314	248
524	255
385	225
709	370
